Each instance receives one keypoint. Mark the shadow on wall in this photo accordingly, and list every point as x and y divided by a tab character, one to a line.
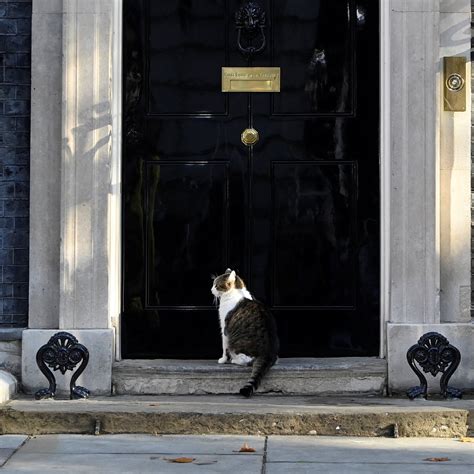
85	198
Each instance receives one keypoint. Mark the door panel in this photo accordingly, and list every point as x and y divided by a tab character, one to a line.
179	236
315	41
314	220
187	47
297	214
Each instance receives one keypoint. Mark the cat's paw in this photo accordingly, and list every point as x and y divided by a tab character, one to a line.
242	359
247	391
223	360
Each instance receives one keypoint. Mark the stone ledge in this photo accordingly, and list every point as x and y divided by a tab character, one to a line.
8	386
11	334
289	376
260	415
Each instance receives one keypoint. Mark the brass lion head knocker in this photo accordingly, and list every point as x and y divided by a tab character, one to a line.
250	20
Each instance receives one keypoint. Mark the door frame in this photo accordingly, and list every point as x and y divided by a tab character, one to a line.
115	199
385	171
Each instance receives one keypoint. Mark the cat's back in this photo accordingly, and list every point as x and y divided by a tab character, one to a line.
251	316
249	309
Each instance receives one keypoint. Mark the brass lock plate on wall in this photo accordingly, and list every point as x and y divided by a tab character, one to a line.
454	76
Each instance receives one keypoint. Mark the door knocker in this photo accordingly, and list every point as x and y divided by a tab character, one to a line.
250	21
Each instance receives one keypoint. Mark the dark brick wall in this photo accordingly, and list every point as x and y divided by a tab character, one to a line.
15	79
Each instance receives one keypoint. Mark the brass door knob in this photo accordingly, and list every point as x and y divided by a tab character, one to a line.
249	137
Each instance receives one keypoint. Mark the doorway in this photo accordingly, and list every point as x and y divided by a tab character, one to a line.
296	214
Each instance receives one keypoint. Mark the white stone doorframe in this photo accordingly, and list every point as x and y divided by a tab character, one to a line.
75	213
429	186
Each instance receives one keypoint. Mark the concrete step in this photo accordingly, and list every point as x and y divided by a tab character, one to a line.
342	376
224	414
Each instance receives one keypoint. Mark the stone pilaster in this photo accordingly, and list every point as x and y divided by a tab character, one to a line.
45	184
86	164
455	174
415	263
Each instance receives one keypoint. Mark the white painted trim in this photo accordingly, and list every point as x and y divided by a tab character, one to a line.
385	172
115	195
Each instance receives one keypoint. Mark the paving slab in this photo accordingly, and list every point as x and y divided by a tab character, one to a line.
137	454
216	454
372	468
131	464
12	441
295	455
5	454
141	444
366	450
8	445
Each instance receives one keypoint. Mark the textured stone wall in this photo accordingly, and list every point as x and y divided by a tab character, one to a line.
15	80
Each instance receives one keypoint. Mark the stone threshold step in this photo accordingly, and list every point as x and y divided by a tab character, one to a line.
222	414
296	376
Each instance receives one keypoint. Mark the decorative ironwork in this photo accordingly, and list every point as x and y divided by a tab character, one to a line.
62	352
434	354
250	21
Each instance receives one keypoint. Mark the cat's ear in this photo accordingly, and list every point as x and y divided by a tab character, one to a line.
228	271
231	278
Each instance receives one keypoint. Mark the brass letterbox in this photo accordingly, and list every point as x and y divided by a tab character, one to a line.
250	79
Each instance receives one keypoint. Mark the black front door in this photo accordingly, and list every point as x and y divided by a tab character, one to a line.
296	214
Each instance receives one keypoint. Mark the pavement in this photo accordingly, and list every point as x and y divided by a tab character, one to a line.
207	454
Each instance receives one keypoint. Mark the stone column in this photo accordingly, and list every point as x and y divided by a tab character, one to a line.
89	203
430	220
415	270
86	164
455	174
45	163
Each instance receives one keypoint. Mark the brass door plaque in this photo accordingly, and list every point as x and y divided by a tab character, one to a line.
455	84
250	79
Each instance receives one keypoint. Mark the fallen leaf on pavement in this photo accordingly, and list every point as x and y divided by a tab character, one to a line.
246	449
466	439
437	459
180	460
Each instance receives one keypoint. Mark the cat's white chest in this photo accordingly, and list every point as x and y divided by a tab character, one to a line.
229	301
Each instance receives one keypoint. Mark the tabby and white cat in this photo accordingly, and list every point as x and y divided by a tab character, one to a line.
249	332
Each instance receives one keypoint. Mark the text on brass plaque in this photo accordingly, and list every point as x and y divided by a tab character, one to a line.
250	79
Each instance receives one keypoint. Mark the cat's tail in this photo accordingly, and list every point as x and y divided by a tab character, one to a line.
261	366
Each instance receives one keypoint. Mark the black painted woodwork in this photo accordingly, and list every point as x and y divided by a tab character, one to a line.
297	214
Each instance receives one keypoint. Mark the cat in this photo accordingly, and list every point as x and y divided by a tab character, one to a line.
249	332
